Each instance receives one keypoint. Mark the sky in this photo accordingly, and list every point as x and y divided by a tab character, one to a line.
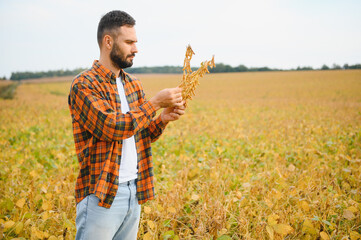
42	35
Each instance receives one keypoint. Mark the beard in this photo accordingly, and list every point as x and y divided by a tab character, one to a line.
118	59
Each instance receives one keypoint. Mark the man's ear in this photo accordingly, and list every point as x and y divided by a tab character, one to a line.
108	42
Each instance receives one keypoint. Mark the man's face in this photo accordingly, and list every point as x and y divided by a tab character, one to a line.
124	47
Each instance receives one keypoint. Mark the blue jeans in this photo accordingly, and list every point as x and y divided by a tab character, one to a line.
120	221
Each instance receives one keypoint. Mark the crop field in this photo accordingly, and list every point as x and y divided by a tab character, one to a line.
272	155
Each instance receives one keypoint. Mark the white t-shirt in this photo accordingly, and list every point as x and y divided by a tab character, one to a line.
128	167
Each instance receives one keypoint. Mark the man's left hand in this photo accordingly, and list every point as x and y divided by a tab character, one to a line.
172	113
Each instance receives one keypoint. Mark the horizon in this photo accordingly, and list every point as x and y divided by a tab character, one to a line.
19	76
195	66
249	69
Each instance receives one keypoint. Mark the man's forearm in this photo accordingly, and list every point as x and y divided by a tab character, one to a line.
156	128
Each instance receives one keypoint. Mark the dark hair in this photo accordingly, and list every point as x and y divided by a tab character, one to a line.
111	21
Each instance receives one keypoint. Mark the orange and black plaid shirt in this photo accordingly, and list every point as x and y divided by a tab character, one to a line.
99	127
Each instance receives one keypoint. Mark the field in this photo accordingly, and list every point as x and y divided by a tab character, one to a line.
273	155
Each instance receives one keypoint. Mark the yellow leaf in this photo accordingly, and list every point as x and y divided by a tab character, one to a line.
160	208
228	225
244	202
147	210
352	209
147	236
223	231
35	233
355	235
38	197
43	188
48	195
307	237
214	175
238	195
151	224
293	192
273	219
324	236
282	229
20	203
39	234
220	150
19	227
348	214
9	224
46	206
268	202
195	197
332	226
193	174
45	216
34	174
27	222
171	210
45	234
308	227
305	206
52	237
291	167
276	194
70	197
270	232
345	186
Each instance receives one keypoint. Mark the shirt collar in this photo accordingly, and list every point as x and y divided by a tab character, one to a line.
106	73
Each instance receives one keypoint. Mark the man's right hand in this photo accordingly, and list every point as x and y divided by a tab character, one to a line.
169	97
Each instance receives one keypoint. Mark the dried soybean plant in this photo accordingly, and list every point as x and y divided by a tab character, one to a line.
190	79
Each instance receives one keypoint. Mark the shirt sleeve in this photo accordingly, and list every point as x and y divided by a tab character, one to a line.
156	128
98	117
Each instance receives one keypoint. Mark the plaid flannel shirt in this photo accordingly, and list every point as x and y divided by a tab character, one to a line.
99	127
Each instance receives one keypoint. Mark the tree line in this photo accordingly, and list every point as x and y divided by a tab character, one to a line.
53	73
220	68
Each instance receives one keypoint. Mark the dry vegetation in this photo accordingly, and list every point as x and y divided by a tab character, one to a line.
190	79
257	156
7	89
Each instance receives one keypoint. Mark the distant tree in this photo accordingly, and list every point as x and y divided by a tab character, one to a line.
307	68
241	68
55	73
261	69
336	66
345	66
163	69
3	78
356	66
220	67
325	67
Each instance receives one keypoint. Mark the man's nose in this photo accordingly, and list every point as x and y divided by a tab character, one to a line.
135	49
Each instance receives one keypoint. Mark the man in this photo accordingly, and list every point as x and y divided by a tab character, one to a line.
113	126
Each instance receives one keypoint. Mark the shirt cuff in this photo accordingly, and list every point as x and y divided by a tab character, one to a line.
148	109
159	123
